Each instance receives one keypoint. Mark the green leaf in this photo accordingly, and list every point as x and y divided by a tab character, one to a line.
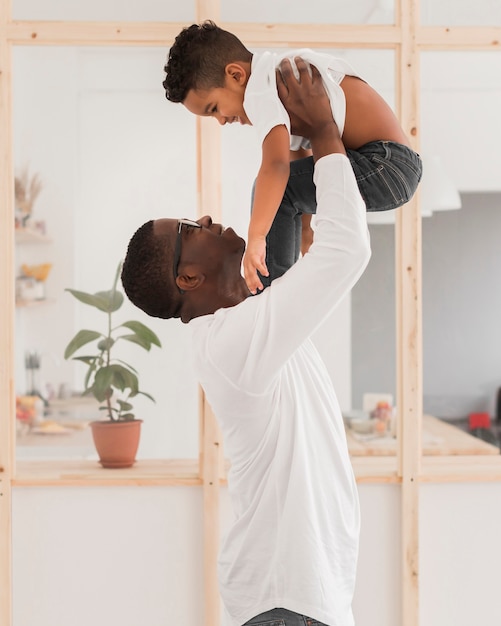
143	393
123	378
112	300
117	276
109	413
98	300
80	339
129	367
107	301
124	406
137	340
143	331
106	344
103	380
128	417
89	360
92	368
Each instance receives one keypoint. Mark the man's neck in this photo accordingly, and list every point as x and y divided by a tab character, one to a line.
194	308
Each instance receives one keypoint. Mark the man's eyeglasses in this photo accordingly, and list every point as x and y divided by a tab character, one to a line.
177	249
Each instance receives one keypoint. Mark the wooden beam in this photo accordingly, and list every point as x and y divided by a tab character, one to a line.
315	35
209	189
459	38
37	33
212	446
7	400
409	327
163	33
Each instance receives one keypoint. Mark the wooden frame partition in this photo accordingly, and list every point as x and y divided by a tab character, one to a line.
409	324
407	38
7	399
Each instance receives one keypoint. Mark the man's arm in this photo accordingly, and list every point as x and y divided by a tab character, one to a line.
310	113
273	326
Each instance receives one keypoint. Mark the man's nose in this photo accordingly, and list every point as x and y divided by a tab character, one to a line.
206	221
221	119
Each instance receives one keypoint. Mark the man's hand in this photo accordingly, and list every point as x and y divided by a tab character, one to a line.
308	107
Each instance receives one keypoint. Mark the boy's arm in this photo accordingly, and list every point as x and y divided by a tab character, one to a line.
271	182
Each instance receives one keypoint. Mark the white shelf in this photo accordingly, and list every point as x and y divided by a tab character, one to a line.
30	303
29	235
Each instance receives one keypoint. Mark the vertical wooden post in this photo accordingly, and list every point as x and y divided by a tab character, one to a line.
209	168
211	487
210	203
7	402
409	321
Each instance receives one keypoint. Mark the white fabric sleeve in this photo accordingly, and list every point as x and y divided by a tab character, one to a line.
267	329
261	102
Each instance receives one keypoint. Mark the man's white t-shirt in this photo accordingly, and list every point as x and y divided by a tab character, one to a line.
294	540
262	104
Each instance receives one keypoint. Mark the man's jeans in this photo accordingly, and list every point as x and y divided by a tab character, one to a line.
387	175
282	617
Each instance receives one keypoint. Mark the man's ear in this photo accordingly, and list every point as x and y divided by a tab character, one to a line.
236	72
190	279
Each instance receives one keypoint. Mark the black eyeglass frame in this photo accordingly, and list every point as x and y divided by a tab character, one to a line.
177	247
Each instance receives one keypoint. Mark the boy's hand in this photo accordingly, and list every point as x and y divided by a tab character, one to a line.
253	262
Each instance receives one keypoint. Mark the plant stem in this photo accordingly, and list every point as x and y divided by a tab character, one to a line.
108	360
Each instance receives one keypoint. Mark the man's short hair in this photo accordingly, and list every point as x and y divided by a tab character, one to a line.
147	276
198	58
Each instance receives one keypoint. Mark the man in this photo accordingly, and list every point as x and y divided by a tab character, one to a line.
291	551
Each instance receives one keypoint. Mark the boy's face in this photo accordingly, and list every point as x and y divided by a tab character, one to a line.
225	104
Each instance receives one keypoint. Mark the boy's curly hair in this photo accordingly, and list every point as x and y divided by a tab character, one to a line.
198	58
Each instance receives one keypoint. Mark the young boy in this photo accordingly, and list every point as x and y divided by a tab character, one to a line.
213	74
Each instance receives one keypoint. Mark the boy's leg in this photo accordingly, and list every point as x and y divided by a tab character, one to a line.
387	175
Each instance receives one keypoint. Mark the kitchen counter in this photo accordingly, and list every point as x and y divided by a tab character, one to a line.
63	432
438	438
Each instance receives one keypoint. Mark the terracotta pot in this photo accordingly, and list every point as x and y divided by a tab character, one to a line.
116	442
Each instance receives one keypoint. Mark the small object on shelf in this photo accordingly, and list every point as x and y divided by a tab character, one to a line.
29	409
26	189
38	272
363	426
31	285
28	289
480	426
32	366
382	416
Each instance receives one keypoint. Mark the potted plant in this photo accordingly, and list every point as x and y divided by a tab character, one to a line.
109	379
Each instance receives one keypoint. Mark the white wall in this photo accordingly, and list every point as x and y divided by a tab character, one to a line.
133	555
459	115
460	554
112	153
105	556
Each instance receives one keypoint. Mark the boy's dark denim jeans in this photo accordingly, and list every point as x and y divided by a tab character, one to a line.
282	617
387	174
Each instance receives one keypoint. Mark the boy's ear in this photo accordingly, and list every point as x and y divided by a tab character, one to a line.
236	72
